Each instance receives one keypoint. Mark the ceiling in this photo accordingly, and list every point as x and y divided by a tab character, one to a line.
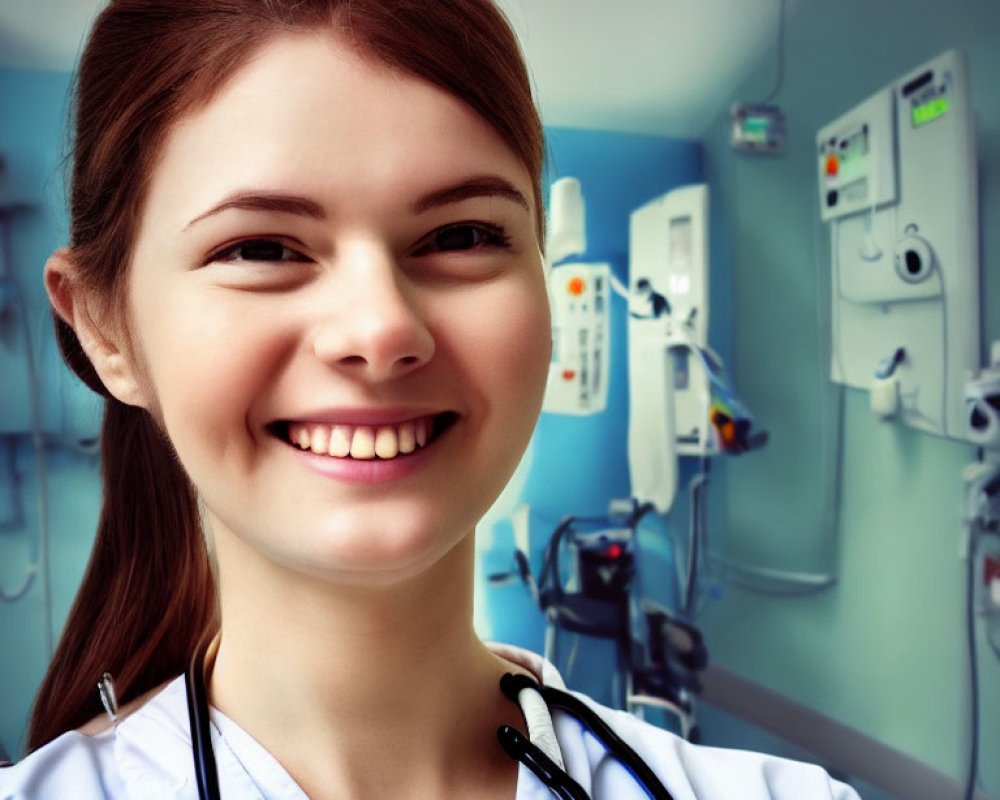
646	66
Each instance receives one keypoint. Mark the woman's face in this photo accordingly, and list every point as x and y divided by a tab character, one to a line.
338	310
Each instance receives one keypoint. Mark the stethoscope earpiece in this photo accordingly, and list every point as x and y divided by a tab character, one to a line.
520	748
513	684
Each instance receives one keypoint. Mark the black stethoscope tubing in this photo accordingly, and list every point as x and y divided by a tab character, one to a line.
205	770
511	685
514	743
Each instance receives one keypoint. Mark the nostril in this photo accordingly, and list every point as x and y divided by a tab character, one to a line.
408	360
353	360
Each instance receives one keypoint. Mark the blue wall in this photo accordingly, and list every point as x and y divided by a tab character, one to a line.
579	464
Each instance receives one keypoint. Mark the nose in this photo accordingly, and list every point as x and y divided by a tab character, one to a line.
376	329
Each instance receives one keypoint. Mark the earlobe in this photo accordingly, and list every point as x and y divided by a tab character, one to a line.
107	350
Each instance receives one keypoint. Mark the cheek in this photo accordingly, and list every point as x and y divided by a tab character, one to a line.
205	363
530	327
528	349
506	341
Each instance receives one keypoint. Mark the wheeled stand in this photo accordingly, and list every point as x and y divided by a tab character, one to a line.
586	587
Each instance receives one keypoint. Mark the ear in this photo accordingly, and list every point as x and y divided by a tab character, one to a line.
106	348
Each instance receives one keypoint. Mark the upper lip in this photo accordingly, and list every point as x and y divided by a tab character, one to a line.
373	417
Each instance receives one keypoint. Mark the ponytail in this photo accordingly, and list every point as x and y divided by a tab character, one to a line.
147	596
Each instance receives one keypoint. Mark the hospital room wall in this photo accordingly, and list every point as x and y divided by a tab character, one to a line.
883	651
32	115
577	464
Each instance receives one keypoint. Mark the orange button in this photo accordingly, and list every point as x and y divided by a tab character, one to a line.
576	285
832	165
568	374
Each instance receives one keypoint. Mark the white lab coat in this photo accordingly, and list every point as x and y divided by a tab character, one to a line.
147	756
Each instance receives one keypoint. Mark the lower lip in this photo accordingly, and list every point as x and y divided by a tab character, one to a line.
368	471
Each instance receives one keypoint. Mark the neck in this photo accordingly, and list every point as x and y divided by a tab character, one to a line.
364	690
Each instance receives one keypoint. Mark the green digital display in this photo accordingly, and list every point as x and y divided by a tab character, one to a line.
755	129
930	111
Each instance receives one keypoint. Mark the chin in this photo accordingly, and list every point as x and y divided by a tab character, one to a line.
375	555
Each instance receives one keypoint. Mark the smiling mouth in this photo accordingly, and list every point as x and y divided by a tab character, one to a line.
364	442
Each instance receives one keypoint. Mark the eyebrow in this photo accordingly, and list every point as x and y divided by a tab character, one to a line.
266	201
479	186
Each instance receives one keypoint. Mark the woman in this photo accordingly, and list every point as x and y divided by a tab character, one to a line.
305	273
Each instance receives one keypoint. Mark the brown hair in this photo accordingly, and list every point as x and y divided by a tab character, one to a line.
148	595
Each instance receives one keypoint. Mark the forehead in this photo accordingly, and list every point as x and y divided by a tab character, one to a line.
308	114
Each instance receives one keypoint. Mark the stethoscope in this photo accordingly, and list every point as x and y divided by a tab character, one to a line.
517	688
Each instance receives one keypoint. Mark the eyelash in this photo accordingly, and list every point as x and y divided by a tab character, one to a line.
487	235
491	236
231	252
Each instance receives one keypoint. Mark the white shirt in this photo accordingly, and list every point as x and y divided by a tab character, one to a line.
147	756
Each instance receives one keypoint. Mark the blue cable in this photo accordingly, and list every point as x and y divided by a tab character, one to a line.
970	631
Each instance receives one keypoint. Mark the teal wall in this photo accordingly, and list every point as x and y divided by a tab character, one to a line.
32	115
883	651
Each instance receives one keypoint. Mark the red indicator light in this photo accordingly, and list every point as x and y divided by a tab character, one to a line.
832	165
613	551
576	285
991	569
568	374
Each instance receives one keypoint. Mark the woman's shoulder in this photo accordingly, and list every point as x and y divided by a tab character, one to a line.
72	765
102	760
687	769
715	772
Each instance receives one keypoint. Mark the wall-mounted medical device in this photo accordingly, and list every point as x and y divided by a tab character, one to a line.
578	372
668	313
581	310
982	403
758	128
668	306
897	185
981	503
567	224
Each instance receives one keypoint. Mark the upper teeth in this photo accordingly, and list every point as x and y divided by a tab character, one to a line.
361	441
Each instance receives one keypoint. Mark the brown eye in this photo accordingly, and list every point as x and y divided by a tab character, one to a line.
258	250
463	236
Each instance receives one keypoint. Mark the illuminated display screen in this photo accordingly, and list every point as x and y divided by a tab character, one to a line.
758	128
929	111
755	129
